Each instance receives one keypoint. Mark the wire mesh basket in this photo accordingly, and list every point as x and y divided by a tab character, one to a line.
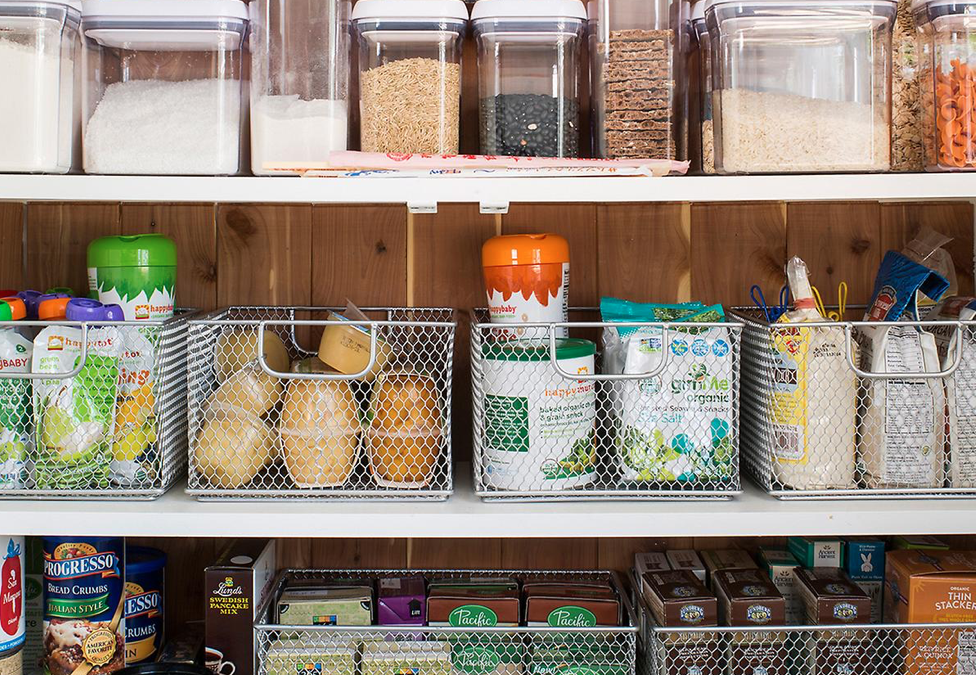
549	425
858	409
372	423
92	410
446	650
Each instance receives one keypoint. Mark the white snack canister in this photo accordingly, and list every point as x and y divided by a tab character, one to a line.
539	427
12	625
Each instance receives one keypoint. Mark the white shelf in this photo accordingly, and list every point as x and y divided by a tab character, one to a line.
464	515
493	193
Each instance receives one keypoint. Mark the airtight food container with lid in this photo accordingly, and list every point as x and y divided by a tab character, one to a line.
164	86
704	93
40	58
947	73
529	60
410	74
801	86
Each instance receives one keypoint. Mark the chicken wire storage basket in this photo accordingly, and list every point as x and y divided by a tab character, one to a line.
95	410
164	88
369	417
801	87
817	424
635	75
299	82
946	64
458	649
40	58
410	74
529	61
549	425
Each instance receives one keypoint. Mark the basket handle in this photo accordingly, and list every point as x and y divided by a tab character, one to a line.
318	377
82	361
607	377
956	361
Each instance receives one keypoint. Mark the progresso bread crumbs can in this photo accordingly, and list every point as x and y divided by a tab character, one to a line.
84	626
144	593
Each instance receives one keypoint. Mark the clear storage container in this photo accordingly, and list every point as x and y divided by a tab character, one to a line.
40	62
299	81
947	66
164	86
410	74
799	86
633	45
704	93
529	74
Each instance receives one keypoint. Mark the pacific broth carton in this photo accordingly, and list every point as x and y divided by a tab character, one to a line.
933	587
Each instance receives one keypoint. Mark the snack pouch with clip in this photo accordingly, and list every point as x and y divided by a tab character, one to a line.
75	417
678	425
960	386
812	408
902	422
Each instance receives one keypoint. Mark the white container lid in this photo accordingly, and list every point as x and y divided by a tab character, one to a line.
528	9
961	4
410	10
698	10
801	4
166	25
71	4
164	10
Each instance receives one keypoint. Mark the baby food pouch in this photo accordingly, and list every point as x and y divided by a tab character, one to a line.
15	410
902	422
812	407
960	386
134	456
678	425
75	418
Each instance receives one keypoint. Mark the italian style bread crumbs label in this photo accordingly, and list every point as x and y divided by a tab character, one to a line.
84	626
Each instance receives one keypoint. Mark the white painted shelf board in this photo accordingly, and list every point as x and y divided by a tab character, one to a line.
464	515
493	193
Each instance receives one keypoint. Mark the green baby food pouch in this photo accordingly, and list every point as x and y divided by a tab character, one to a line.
15	410
75	417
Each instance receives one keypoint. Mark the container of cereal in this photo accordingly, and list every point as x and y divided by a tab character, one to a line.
40	58
410	74
529	75
145	593
539	425
634	49
801	87
164	92
947	63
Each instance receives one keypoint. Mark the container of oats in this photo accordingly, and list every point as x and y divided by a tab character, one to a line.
410	74
638	111
801	87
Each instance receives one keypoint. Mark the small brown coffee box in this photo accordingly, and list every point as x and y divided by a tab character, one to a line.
570	605
236	585
678	599
829	597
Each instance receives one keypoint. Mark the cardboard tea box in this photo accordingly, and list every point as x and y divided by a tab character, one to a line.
678	599
864	562
730	559
326	606
830	597
687	560
920	542
817	552
650	561
399	658
749	598
287	658
401	601
780	565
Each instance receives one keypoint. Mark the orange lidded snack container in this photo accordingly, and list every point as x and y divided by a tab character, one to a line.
930	587
527	280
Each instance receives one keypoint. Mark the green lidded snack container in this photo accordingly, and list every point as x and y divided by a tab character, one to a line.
136	272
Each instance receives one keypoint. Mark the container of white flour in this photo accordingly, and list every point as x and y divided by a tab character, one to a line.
177	106
40	62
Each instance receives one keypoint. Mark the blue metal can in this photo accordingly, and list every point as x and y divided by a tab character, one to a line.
145	591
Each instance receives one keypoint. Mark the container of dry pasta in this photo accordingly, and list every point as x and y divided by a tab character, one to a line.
270	418
410	74
801	87
858	409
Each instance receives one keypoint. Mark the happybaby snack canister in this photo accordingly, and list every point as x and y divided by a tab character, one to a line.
137	272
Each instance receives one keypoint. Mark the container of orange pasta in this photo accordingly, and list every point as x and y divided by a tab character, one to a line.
527	281
948	83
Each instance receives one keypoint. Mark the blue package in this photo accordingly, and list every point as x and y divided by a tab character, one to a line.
864	559
899	279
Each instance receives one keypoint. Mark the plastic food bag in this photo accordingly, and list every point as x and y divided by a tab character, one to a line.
813	398
75	417
134	456
680	424
15	410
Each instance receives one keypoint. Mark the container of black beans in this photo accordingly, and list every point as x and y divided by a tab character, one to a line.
529	68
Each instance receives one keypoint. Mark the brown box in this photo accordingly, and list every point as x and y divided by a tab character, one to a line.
236	585
748	598
551	604
729	559
829	597
678	599
464	604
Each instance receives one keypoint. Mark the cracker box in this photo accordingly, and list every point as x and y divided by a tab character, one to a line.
817	552
781	566
864	563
